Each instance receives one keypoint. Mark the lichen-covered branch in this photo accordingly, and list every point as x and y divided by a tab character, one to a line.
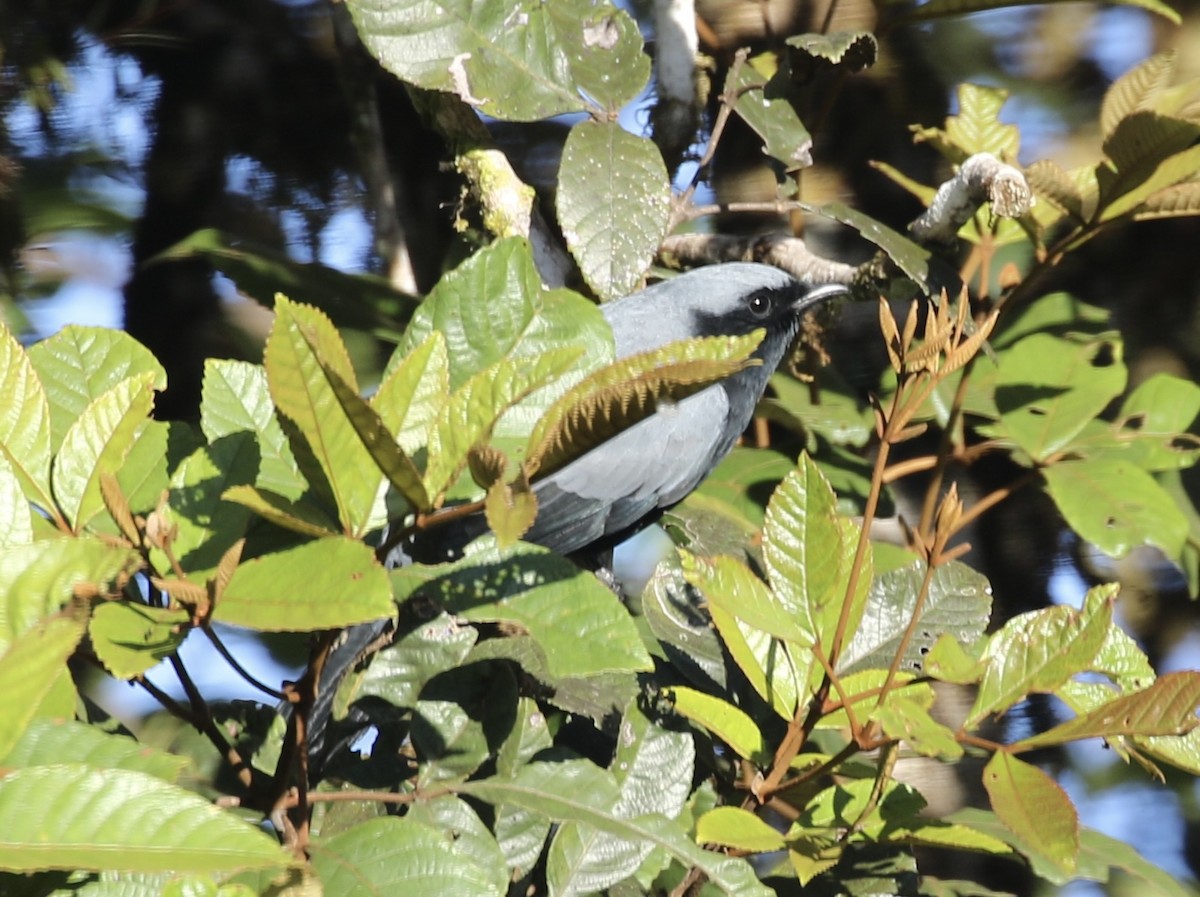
980	179
787	253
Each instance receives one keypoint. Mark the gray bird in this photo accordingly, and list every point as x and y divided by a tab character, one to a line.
626	482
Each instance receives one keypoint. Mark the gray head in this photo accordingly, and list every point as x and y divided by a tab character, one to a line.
720	300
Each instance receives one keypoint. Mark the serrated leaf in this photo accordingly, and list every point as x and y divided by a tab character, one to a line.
958	603
70	816
774	119
613	203
1116	505
1177	201
1034	807
739	829
580	624
576	790
729	585
977	127
16	526
1168	707
302	351
729	723
208	525
96	443
475	409
414	386
510	509
1135	90
297	516
515	63
1147	152
131	638
236	398
1040	650
909	256
854	50
80	364
1050	388
40	578
399	856
1049	181
25	424
653	772
48	741
29	671
326	584
614	398
808	554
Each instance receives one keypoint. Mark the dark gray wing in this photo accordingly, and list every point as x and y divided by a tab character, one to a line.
648	467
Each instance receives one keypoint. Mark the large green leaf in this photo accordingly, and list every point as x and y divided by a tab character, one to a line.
71	816
398	673
1116	506
303	353
773	118
576	790
472	841
493	305
130	638
98	443
653	771
48	741
235	399
25	427
323	584
403	856
16	526
1050	388
613	203
520	63
38	579
1035	808
460	720
580	625
959	602
415	385
30	670
80	364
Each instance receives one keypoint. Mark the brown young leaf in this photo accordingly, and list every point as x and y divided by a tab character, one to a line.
118	507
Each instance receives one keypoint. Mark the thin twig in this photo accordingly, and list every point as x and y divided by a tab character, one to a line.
237	667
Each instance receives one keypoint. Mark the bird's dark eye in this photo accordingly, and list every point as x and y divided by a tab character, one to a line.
760	304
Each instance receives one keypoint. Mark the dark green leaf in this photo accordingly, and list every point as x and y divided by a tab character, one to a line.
774	119
911	258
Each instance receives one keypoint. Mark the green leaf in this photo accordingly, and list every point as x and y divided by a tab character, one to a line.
516	63
48	741
1136	90
833	411
415	386
910	257
772	118
521	833
1058	314
1050	388
131	638
1035	808
958	602
613	203
473	843
38	579
16	526
977	127
359	301
1155	418
580	624
739	829
576	790
729	585
1039	651
25	428
207	525
653	769
493	306
1147	152
80	364
324	584
612	399
297	516
70	816
853	50
475	410
808	554
98	442
739	487
674	614
303	351
414	657
905	719
1116	506
237	399
29	671
1168	707
460	718
731	724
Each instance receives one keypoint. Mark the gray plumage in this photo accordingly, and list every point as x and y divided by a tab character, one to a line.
626	482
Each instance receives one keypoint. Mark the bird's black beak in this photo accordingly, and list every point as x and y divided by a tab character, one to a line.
816	295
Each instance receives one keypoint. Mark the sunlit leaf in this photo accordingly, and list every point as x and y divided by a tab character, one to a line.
1035	808
29	670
